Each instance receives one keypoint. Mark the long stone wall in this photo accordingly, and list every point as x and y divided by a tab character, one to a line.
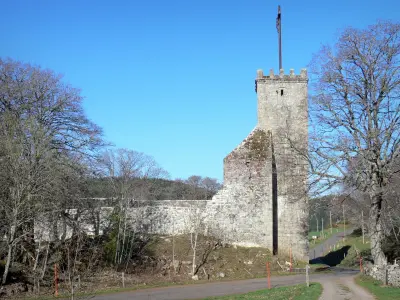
389	274
168	216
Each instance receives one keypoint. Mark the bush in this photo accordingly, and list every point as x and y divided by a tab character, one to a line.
391	247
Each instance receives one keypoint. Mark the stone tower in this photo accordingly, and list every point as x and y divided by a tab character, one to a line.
264	200
283	113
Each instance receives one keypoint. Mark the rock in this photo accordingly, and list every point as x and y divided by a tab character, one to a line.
250	262
186	262
195	277
175	264
14	289
221	274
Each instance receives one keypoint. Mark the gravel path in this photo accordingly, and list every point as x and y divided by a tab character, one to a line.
343	288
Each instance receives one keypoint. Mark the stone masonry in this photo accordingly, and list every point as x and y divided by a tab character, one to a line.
263	201
387	274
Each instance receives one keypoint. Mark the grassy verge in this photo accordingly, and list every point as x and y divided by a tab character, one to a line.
298	292
375	287
356	249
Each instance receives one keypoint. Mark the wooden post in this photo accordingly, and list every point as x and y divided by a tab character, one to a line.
307	276
290	257
123	279
268	276
322	220
330	219
344	225
362	225
55	280
386	275
361	268
317	224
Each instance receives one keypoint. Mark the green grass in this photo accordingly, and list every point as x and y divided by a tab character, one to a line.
377	289
357	248
296	292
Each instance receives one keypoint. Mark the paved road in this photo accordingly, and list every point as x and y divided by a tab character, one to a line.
337	285
321	249
198	291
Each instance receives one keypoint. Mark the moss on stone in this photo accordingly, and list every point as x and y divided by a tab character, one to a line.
258	144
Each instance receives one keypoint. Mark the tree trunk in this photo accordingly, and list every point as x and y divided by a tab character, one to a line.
97	223
45	260
10	240
193	242
376	230
54	228
64	227
7	266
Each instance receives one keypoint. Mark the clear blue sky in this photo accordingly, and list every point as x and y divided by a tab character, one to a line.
175	79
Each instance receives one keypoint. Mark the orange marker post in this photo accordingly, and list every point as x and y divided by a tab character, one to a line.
55	280
268	276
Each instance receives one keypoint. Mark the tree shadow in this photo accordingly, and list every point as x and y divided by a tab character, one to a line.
332	258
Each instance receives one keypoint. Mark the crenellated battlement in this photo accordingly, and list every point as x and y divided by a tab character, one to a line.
281	76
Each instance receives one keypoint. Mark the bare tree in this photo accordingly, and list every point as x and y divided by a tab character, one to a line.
123	167
41	123
195	182
210	186
355	114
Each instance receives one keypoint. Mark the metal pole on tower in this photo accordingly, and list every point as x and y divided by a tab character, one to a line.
279	29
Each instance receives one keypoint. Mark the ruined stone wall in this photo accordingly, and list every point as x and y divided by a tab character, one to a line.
161	216
240	212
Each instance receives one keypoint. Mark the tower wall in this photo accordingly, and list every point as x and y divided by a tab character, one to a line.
282	110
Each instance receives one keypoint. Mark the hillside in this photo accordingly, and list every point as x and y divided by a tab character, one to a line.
148	189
